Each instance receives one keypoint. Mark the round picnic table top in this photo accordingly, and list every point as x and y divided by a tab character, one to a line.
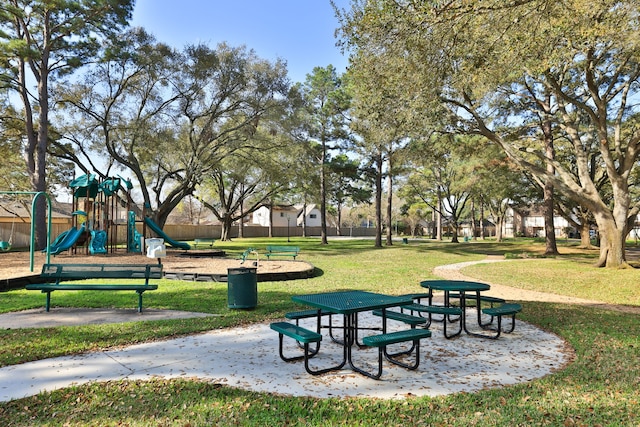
455	285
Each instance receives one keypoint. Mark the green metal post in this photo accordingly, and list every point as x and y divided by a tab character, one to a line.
33	227
33	222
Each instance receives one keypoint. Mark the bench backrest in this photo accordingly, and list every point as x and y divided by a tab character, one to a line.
60	272
283	249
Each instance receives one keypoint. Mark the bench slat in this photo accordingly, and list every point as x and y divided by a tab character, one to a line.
434	309
381	340
283	249
306	314
402	317
503	310
72	272
101	271
296	332
88	287
483	298
419	295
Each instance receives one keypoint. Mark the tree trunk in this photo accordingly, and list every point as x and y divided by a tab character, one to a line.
323	196
378	202
439	218
549	224
271	219
225	233
338	230
454	223
304	219
585	237
389	206
499	224
241	223
550	153
473	219
434	227
612	241
481	221
37	141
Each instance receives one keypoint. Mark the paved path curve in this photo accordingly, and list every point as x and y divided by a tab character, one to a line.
452	272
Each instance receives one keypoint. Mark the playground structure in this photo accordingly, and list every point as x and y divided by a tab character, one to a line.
156	229
97	215
99	209
95	211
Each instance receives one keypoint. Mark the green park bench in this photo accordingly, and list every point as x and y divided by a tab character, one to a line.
206	241
57	276
291	251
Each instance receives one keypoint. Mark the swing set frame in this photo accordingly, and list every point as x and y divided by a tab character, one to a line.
36	195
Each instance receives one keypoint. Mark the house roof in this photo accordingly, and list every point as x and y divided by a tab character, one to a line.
307	211
290	208
10	209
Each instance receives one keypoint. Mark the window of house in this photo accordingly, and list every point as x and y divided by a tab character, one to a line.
312	216
281	214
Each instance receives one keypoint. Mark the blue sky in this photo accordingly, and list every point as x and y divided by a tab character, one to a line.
298	31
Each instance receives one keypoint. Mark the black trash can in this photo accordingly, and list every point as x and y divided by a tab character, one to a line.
242	284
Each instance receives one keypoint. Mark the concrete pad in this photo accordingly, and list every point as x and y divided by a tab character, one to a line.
247	357
65	316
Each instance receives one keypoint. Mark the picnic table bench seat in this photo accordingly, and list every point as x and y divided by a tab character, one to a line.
419	295
433	309
306	314
408	319
383	340
503	310
413	321
309	314
446	313
472	298
291	251
57	275
304	337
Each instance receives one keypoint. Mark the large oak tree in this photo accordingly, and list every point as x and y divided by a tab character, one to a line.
169	117
40	40
483	64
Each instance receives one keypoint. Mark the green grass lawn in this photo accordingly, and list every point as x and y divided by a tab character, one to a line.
600	387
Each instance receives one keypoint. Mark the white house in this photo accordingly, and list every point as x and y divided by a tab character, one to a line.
312	215
284	215
530	222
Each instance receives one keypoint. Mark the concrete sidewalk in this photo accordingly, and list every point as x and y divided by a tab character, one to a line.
247	358
66	316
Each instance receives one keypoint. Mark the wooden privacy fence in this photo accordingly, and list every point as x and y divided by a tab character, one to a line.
21	235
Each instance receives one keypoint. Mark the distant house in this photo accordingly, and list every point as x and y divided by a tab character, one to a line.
465	229
529	222
312	214
15	220
283	215
12	211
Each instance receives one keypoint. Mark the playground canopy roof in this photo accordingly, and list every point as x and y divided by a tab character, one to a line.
88	186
